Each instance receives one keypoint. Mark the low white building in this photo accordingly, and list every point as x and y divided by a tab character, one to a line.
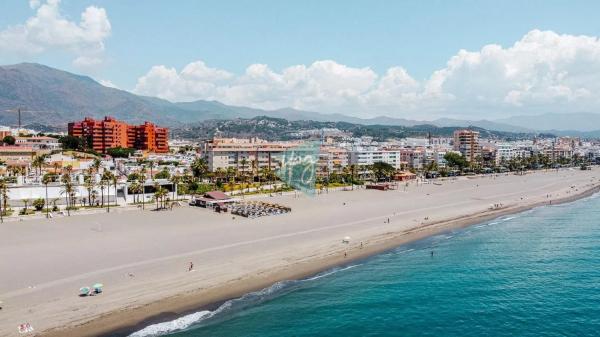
505	152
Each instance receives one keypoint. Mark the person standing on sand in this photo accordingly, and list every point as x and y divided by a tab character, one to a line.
191	266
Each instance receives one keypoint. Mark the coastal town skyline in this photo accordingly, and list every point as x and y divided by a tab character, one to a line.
431	64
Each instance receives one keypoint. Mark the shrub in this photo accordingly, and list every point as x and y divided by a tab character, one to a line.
23	211
38	204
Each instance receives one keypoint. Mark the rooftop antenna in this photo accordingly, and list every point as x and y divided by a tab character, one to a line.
19	111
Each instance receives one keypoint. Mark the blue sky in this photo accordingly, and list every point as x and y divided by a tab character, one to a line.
418	36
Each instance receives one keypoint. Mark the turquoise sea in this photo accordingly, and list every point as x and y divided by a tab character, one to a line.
532	274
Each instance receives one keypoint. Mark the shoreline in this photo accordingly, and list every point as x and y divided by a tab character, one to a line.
125	321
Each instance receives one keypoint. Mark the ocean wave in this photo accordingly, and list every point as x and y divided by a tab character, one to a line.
330	272
171	326
239	303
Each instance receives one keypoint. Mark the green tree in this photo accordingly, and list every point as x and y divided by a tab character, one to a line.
47	179
199	168
105	182
89	184
120	152
382	170
38	163
96	164
455	160
38	204
67	187
9	140
72	143
4	195
175	180
151	165
163	174
25	205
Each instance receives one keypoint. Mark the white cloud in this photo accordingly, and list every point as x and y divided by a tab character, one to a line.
33	4
542	72
108	84
48	30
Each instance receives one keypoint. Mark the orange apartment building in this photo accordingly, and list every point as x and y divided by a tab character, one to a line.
109	133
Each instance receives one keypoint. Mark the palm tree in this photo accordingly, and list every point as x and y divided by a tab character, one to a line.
107	178
142	181
88	183
133	187
4	196
199	168
151	165
38	163
25	204
157	193
164	196
244	162
46	179
115	180
67	187
56	166
219	173
263	174
102	187
96	164
94	196
175	180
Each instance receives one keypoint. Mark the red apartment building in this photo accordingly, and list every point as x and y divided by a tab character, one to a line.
109	132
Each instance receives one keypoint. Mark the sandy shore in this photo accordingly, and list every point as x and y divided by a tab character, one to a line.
142	257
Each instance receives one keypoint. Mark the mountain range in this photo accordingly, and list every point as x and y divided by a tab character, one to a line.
49	96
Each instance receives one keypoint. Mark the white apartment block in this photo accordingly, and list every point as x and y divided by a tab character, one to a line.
505	152
371	155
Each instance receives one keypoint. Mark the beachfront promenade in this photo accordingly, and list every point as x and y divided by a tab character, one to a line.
143	257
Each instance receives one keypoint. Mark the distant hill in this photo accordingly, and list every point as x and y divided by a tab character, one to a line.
485	124
278	128
57	97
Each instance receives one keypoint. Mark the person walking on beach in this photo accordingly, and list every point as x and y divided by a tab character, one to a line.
191	266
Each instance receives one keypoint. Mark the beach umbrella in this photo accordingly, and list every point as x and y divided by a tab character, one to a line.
346	239
98	285
84	290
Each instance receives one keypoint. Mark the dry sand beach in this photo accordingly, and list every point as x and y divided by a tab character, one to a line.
142	258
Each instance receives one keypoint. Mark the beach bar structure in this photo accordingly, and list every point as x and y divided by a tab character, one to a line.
382	186
404	176
214	199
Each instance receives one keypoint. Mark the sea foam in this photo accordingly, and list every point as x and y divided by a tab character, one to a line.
239	303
